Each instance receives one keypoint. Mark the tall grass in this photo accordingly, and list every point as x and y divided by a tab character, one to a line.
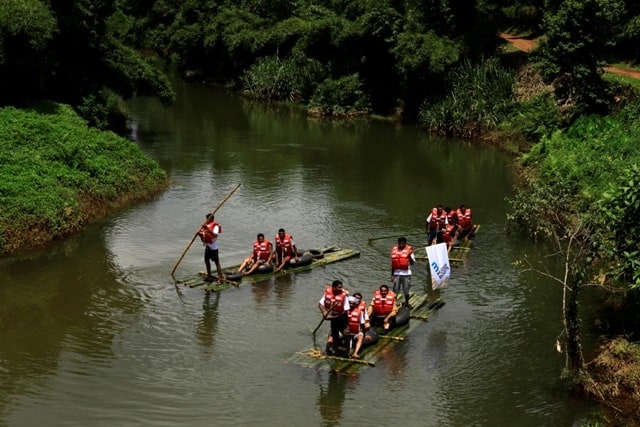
480	97
289	79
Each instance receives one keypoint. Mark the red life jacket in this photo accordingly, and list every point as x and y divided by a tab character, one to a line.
284	246
464	219
207	235
355	316
451	221
383	306
333	301
261	250
400	258
437	221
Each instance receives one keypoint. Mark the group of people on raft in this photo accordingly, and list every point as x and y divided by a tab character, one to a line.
353	322
448	225
264	253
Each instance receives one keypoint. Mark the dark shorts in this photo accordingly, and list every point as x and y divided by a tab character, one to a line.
338	325
435	235
211	254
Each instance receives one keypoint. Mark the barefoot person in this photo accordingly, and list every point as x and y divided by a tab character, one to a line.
466	227
334	305
383	309
358	323
402	258
209	235
285	249
262	254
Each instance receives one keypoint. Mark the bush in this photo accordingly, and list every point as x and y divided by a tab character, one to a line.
481	96
272	78
56	174
340	97
534	119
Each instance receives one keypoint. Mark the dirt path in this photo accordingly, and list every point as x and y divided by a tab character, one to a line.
526	45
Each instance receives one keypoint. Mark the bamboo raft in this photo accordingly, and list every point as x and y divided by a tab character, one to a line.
458	253
331	254
315	358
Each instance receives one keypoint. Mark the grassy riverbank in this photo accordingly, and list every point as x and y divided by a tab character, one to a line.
57	175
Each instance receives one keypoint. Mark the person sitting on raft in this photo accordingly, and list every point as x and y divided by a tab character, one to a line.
357	324
262	254
466	227
383	308
285	249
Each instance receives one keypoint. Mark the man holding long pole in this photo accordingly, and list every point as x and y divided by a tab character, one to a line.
197	233
209	235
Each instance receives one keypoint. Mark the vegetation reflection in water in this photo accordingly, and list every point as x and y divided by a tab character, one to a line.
119	330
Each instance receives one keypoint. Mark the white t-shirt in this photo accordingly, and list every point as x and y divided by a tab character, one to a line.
214	244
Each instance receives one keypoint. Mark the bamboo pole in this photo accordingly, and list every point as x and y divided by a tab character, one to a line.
338	358
371	239
199	228
391	337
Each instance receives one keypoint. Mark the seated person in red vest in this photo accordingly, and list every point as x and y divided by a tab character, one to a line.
466	227
383	309
435	225
449	236
261	255
358	322
334	305
285	249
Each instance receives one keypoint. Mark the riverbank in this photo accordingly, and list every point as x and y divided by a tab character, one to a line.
57	175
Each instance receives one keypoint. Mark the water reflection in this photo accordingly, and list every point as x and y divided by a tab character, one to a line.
394	359
207	327
332	396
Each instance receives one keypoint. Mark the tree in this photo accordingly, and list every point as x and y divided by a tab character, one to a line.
540	209
70	52
578	34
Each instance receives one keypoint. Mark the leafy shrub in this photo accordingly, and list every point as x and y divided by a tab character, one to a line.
534	119
56	173
340	97
480	97
289	79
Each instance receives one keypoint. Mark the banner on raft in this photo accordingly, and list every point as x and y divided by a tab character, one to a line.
439	264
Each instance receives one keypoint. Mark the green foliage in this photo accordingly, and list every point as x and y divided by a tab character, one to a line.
620	207
341	97
51	163
534	119
480	97
579	33
282	79
588	172
104	113
417	52
70	50
29	20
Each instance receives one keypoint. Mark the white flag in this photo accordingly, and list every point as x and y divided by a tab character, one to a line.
439	264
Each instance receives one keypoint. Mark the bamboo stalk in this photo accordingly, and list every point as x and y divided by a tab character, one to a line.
319	355
371	239
391	337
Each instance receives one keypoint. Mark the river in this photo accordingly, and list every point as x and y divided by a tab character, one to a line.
94	332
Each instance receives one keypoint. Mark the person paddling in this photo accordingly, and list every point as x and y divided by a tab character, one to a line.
334	305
